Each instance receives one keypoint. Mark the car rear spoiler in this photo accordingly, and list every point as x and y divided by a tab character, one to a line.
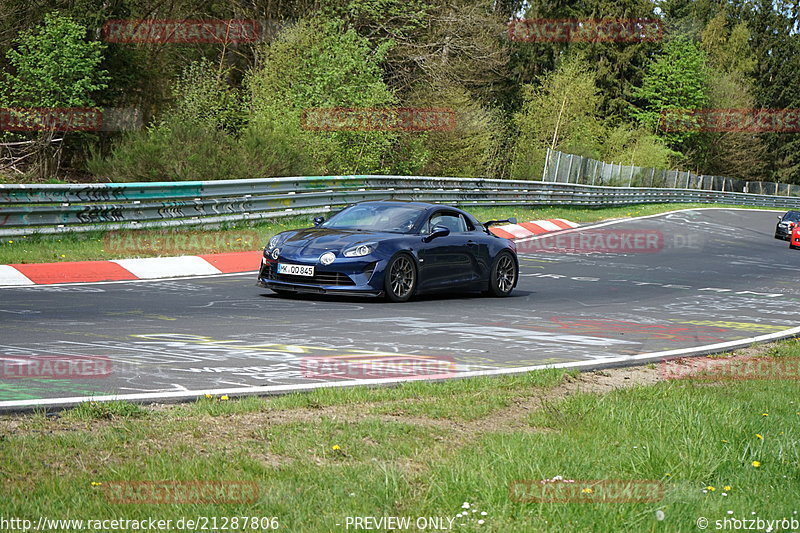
510	220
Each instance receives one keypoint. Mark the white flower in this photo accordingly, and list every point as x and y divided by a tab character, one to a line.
484	513
465	505
659	515
724	493
730	512
480	522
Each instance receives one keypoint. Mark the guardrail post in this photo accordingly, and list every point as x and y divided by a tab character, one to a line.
569	168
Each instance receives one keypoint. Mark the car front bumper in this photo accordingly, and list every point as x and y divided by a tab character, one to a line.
361	277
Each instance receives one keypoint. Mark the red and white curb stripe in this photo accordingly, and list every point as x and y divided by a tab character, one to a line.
129	269
192	265
529	229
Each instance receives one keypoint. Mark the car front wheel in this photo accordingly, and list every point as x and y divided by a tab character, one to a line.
401	279
503	275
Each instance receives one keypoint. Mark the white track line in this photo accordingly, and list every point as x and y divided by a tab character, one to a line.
621	220
276	389
164	267
72	283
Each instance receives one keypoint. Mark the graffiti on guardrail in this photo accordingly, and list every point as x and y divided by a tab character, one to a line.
58	208
90	214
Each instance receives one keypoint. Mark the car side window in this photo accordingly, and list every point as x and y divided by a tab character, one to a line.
453	221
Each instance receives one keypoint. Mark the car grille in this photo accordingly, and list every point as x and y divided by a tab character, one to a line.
319	278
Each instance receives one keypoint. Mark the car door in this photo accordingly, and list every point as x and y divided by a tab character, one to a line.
446	261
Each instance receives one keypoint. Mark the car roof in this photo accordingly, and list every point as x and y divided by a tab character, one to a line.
422	205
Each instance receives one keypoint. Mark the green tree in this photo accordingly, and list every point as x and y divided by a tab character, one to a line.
731	63
563	113
776	46
52	66
619	65
676	80
318	64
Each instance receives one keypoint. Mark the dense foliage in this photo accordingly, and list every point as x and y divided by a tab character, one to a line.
221	110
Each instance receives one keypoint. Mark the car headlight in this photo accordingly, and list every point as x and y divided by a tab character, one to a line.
359	250
275	253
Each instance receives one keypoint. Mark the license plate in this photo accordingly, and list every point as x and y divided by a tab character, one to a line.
295	270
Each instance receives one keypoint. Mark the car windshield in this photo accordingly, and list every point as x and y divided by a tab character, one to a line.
376	217
792	215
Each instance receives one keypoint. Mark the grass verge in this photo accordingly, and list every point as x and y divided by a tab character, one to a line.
95	246
718	449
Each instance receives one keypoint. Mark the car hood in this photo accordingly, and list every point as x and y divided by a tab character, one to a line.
319	240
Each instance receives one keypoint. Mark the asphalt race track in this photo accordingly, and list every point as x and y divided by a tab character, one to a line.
693	280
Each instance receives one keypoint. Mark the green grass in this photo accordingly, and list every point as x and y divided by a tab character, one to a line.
91	246
325	455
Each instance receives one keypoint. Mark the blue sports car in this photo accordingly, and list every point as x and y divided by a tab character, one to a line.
394	249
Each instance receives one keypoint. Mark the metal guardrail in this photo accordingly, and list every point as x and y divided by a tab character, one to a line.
31	209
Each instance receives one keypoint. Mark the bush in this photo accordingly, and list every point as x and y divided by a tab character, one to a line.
169	151
468	150
318	64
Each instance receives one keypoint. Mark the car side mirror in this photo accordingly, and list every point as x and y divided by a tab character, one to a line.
318	220
512	220
438	231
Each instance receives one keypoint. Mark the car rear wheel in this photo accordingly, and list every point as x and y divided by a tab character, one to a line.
503	275
401	279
